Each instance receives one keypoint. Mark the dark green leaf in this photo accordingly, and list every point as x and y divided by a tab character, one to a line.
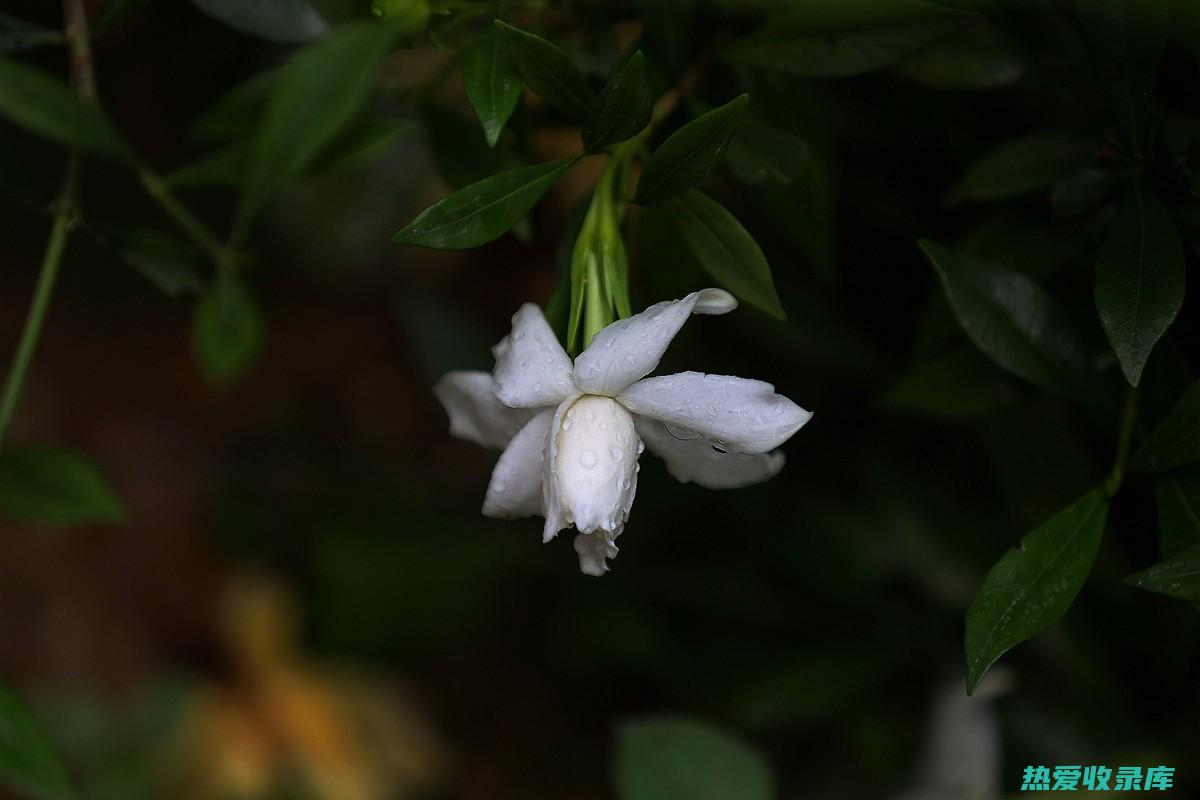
1176	440
723	247
18	35
318	93
1025	164
547	70
225	167
759	153
1178	576
1139	279
1082	191
484	210
460	151
1015	322
981	56
274	20
666	23
53	486
960	385
115	12
492	84
1034	584
164	260
670	758
1177	493
367	139
46	106
690	154
624	108
831	38
27	764
237	112
227	332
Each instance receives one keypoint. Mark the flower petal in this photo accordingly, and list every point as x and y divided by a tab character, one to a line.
552	510
596	464
594	549
515	489
631	348
532	370
736	414
476	414
694	459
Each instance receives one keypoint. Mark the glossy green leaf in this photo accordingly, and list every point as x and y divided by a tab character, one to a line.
690	154
1177	576
27	762
549	72
1015	322
1034	584
53	486
1019	166
960	384
320	90
675	758
481	212
1177	493
624	107
227	332
1176	440
274	20
46	106
759	153
1139	279
830	38
164	260
492	83
723	247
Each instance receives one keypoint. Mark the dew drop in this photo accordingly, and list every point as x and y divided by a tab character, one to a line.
588	459
615	452
499	487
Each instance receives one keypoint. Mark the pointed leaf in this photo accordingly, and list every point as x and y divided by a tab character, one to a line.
624	108
1034	584
53	486
1176	440
274	20
1177	576
759	153
481	212
1018	166
1139	279
492	83
1177	493
27	763
227	332
547	70
690	154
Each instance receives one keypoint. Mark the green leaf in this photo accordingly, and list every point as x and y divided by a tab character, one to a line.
224	167
320	90
1177	576
1015	322
227	332
1176	440
690	154
547	70
367	139
483	211
274	20
624	108
1019	166
237	112
1139	279
27	763
830	38
46	106
759	153
1177	493
164	260
675	758
723	247
666	22
18	35
53	486
116	12
981	56
492	83
1034	584
958	385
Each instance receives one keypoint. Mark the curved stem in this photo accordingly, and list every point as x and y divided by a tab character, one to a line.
188	222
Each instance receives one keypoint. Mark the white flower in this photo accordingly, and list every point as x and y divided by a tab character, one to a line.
572	433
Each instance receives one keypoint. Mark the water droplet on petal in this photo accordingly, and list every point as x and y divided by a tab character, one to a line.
588	459
615	452
499	487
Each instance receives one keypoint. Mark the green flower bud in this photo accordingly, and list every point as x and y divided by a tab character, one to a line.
410	16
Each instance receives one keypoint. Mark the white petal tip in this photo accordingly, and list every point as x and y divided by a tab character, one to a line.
714	301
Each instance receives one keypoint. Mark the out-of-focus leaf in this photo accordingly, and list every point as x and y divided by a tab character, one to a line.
547	70
1035	244
1177	576
1025	164
1125	39
115	12
1015	322
225	166
804	212
675	758
227	332
274	20
1177	493
53	486
46	106
479	213
409	16
624	107
238	111
981	56
817	686
369	138
723	247
27	763
666	23
1185	25
1176	440
959	385
492	83
460	151
1082	191
164	260
829	38
18	35
319	91
690	154
1034	584
759	153
1139	279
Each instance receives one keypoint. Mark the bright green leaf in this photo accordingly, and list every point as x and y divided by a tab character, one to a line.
481	212
1177	493
759	153
1019	166
227	332
492	83
1176	440
1139	279
27	763
690	154
1177	576
1034	584
675	758
624	108
53	486
547	70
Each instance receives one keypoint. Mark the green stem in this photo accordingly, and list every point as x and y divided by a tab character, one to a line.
1124	443
188	222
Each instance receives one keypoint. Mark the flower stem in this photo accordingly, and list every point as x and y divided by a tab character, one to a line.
189	223
1124	443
